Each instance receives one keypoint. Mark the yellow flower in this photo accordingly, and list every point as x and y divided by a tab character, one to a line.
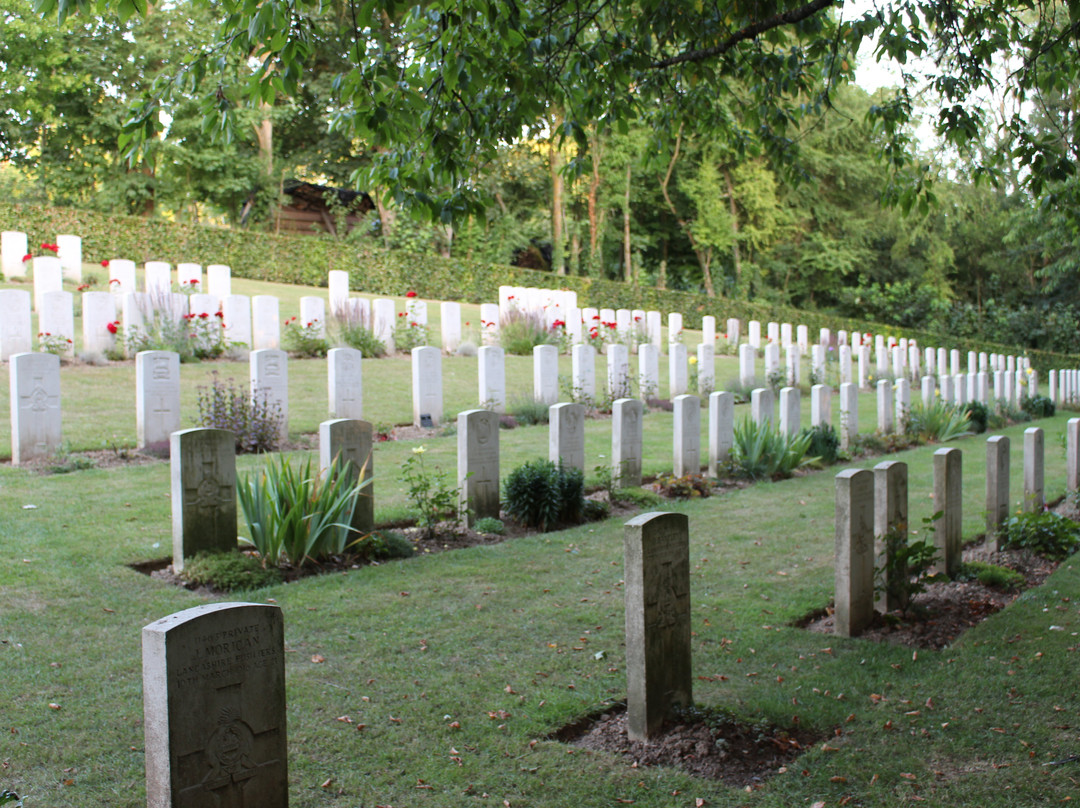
693	360
419	449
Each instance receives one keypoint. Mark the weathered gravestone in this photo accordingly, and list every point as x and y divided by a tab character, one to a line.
214	708
478	464
849	414
35	406
890	529
820	405
1072	455
686	438
747	360
566	435
1034	451
15	319
885	411
269	369
626	441
583	373
203	466
345	382
997	489
678	381
348	441
721	430
790	411
618	371
761	406
948	495
658	651
157	398
427	386
706	364
854	551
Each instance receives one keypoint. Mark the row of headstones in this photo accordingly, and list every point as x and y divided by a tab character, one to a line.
873	504
214	709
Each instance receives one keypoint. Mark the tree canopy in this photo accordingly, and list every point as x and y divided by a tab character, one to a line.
433	89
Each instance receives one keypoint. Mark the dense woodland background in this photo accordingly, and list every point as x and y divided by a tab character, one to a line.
706	213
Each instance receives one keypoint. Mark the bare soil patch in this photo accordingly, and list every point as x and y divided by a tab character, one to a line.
716	748
947	608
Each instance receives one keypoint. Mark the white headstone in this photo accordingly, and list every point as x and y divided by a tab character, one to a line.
57	320
674	328
450	324
236	311
678	382
733	331
16	334
219	281
337	290
772	360
761	406
35	406
802	338
478	463
708	330
427	386
345	383
583	373
13	246
492	377
566	435
790	411
785	334
794	365
626	442
721	430
885	407
653	327
157	278
706	366
489	323
623	325
122	277
189	277
48	277
546	374
849	414
157	398
265	322
648	371
772	333
99	322
820	405
754	334
845	364
687	435
903	403
70	255
618	371
383	320
270	377
747	359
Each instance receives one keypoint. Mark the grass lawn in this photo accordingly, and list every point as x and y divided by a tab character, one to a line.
408	648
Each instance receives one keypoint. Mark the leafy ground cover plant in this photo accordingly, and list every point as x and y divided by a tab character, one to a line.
253	419
990	575
231	571
907	563
529	411
1045	533
489	524
824	443
760	451
1037	406
978	416
351	326
689	486
381	545
434	499
296	514
940	422
408	333
544	495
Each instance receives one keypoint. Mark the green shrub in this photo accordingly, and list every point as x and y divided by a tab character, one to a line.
229	571
409	334
254	420
304	339
760	451
940	422
349	326
529	411
489	524
689	486
1037	406
540	494
639	497
990	575
595	510
978	416
1043	532
382	545
824	443
298	515
433	497
520	332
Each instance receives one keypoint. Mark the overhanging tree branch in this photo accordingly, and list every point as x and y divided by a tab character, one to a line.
795	15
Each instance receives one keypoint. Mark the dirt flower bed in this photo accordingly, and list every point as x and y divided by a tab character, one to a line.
738	754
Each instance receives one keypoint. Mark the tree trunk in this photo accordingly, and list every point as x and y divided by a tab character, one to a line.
661	282
558	262
628	255
703	259
734	227
593	203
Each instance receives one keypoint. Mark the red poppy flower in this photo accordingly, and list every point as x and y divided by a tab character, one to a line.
410	293
204	315
50	247
401	314
219	314
105	263
27	257
412	325
112	328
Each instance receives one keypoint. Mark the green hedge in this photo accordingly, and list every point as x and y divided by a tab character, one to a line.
307	259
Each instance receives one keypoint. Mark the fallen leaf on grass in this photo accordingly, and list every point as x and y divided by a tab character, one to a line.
318	658
327	783
53	705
